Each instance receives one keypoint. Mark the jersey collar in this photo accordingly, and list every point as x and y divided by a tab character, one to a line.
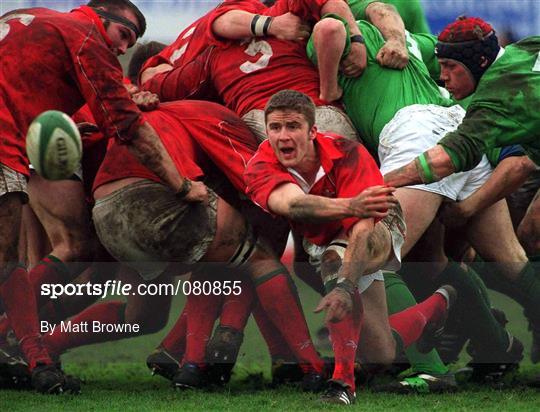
91	14
328	152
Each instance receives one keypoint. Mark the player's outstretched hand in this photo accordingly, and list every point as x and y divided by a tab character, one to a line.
356	61
373	202
393	54
338	304
197	193
289	26
146	100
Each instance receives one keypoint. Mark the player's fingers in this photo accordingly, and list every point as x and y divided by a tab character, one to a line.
321	306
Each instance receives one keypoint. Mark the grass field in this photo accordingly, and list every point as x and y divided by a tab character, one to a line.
116	378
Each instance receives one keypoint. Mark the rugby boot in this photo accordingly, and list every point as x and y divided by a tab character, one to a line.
221	353
162	363
190	376
338	393
284	373
419	383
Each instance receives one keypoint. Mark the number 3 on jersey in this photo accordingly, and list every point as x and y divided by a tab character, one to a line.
255	47
25	19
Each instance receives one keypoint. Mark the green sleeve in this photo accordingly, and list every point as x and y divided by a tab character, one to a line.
482	128
426	44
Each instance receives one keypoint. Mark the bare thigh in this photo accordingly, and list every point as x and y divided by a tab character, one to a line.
419	209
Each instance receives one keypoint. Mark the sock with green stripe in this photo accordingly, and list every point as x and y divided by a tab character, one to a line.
398	298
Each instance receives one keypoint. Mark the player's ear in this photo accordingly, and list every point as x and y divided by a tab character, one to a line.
483	61
312	132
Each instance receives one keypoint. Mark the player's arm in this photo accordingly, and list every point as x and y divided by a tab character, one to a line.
290	201
149	150
339	302
356	61
431	166
387	19
240	24
507	177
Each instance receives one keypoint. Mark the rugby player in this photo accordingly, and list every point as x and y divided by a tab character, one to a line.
495	117
79	46
329	189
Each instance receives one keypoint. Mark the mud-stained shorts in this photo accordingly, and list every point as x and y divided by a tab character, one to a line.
327	119
395	224
145	226
12	182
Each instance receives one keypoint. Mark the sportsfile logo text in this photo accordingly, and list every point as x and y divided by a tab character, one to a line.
119	288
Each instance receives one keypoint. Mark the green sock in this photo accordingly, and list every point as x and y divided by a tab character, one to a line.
398	298
528	285
488	337
525	290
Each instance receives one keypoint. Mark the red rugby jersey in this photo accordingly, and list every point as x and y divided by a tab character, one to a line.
53	60
196	134
348	170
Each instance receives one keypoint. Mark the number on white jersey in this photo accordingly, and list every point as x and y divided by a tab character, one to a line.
255	47
25	19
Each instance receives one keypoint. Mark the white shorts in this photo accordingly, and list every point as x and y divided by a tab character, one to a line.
315	253
417	128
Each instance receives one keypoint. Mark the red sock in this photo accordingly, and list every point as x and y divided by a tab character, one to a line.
203	311
345	336
237	308
107	312
281	305
410	323
20	306
175	341
48	270
277	346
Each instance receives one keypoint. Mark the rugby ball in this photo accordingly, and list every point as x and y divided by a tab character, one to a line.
53	145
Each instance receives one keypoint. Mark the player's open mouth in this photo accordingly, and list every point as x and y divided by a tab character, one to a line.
287	151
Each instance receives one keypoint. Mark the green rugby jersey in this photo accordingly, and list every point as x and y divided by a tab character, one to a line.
373	99
504	108
411	12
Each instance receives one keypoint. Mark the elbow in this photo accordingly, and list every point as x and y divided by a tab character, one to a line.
525	166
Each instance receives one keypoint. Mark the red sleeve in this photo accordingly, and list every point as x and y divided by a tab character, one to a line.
191	81
309	10
100	80
263	174
251	6
356	172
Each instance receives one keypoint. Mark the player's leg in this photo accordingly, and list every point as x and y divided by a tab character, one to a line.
68	227
329	37
524	284
16	293
189	232
529	228
223	348
419	209
429	374
141	314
